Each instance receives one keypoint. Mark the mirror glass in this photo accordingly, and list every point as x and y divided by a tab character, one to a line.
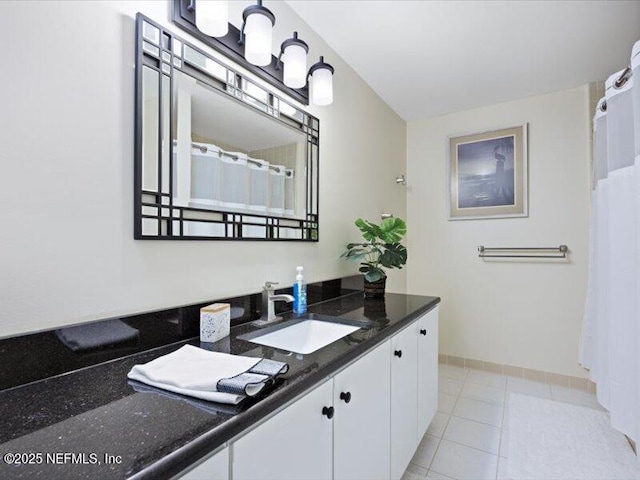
217	156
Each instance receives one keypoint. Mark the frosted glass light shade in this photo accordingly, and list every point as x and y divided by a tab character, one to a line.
212	17
322	87
258	31
295	66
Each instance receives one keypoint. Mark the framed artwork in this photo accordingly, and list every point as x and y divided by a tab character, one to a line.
488	174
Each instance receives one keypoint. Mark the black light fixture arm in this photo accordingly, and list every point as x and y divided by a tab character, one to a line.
241	37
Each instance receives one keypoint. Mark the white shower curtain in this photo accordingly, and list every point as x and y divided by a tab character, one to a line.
610	343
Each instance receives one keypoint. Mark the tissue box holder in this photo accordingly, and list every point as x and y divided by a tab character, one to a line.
215	322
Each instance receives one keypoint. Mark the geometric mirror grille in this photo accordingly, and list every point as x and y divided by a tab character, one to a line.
218	156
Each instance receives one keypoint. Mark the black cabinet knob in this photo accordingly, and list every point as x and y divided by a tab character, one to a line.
346	396
398	353
423	331
328	411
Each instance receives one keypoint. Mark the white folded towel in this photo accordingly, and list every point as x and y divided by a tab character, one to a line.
208	375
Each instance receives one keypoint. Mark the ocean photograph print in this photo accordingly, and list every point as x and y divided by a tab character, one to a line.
488	174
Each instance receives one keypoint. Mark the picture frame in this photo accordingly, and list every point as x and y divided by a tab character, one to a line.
488	174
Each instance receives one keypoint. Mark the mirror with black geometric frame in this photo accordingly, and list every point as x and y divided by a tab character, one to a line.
218	157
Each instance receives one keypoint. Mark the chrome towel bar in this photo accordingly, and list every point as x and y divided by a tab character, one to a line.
523	252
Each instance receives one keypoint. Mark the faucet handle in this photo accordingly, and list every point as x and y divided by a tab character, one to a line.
270	285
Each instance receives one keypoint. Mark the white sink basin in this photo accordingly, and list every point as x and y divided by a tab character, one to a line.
306	336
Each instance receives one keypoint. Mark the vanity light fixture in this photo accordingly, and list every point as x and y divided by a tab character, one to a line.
257	34
212	17
293	53
321	83
251	47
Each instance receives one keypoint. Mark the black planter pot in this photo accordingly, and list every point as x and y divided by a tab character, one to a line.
375	289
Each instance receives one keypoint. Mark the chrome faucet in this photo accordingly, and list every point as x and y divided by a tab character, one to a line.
268	302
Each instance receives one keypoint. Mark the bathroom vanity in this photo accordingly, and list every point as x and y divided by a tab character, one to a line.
355	408
363	422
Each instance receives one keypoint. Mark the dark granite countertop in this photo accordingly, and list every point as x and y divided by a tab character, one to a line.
96	411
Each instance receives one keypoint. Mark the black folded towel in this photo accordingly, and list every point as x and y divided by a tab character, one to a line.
91	336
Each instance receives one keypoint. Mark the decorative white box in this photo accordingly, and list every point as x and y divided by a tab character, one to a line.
215	320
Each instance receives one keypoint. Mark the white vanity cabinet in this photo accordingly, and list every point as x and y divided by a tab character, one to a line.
295	444
361	426
213	468
363	423
404	398
427	370
340	430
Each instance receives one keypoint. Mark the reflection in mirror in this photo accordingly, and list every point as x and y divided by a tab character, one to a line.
209	65
166	132
150	32
151	101
223	167
219	156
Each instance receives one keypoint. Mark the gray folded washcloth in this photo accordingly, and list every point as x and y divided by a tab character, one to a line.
259	376
95	335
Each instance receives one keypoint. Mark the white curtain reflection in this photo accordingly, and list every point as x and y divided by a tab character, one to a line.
276	189
289	192
206	175
235	180
258	184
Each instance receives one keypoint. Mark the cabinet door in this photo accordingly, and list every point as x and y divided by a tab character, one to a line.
427	370
404	399
214	468
361	427
295	444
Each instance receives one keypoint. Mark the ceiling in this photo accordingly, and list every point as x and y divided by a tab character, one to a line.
428	58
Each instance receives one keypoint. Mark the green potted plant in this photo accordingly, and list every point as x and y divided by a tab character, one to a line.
381	249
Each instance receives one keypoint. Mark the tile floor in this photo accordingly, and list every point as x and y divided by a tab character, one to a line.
468	438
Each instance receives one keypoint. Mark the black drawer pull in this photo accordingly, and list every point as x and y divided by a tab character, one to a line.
328	411
346	396
398	353
423	331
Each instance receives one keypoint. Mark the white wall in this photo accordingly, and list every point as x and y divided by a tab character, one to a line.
67	252
521	313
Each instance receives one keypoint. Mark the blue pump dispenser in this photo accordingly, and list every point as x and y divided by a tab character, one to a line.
300	294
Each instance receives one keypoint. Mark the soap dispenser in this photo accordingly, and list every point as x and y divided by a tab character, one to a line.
300	294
